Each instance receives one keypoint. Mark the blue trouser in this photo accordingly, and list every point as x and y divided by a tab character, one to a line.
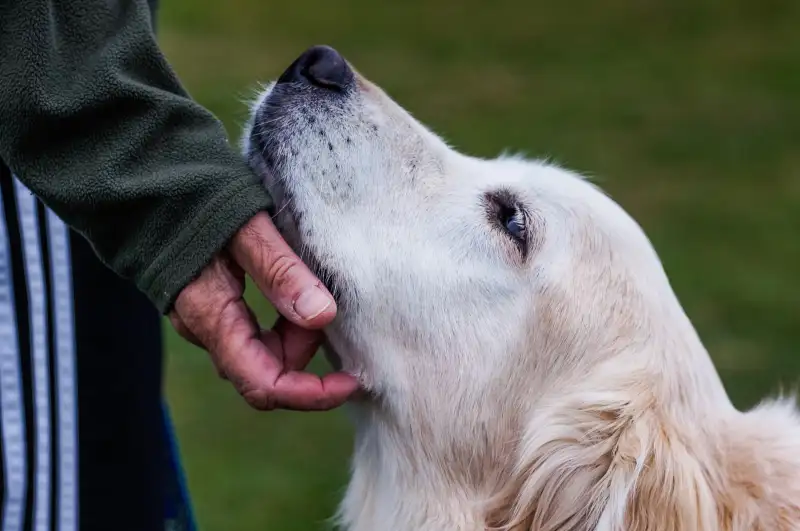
86	439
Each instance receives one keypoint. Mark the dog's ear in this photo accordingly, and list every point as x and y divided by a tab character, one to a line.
604	462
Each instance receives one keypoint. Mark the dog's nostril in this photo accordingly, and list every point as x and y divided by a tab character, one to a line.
327	67
321	66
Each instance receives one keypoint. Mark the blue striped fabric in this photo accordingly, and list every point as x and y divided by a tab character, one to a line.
178	514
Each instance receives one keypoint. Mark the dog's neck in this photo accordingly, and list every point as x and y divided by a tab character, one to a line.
409	474
443	452
450	472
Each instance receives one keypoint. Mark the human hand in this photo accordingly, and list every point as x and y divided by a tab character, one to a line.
265	366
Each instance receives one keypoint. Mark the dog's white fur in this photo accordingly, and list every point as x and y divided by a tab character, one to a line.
564	389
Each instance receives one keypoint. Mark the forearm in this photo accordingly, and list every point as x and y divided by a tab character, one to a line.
95	123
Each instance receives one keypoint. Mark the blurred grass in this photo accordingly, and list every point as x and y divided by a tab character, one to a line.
687	112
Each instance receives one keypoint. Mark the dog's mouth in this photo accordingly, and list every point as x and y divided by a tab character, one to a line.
329	278
331	355
313	83
290	220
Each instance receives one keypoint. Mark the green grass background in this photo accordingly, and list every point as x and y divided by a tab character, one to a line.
687	112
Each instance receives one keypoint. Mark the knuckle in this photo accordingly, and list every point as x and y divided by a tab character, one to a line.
225	370
326	404
260	400
281	272
182	329
177	323
323	403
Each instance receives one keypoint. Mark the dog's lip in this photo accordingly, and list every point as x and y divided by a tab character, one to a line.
269	172
257	139
264	164
324	274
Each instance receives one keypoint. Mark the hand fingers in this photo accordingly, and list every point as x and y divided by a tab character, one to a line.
303	391
283	385
213	311
188	335
293	344
280	274
200	305
183	330
197	309
296	347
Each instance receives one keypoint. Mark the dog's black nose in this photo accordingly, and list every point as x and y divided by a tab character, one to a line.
321	66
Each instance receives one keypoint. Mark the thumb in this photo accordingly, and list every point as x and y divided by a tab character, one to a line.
280	275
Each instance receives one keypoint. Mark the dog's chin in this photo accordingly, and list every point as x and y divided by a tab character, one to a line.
326	275
287	218
366	392
332	356
260	161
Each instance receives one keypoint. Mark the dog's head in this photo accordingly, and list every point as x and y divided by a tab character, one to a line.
487	303
445	267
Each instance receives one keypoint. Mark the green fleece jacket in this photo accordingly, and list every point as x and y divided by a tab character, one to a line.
94	121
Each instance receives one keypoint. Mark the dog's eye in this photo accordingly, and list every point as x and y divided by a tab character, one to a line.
513	221
507	214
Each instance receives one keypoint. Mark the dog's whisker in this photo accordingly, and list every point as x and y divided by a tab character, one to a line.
285	205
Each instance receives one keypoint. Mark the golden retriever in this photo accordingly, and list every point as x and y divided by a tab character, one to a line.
528	365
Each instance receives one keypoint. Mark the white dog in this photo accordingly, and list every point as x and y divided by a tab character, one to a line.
528	364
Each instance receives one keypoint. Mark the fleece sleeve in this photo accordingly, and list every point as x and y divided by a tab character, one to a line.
96	124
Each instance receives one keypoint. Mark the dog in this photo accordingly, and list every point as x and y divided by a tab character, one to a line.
526	363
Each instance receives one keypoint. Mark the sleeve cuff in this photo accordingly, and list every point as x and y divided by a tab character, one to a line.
194	247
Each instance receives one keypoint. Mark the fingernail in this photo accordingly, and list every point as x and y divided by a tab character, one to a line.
312	302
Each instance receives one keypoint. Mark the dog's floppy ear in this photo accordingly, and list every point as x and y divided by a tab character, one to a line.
604	462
